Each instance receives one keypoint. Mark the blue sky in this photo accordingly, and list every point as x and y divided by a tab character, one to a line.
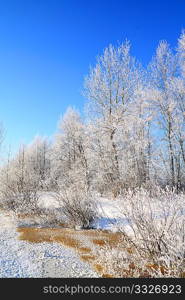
47	46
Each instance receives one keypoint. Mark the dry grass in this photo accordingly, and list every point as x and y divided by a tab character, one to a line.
113	239
84	249
76	240
99	268
38	235
99	242
130	250
88	258
108	238
106	275
155	267
35	235
67	241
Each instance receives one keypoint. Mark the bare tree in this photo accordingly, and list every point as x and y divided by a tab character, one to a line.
19	185
70	149
163	70
116	105
38	154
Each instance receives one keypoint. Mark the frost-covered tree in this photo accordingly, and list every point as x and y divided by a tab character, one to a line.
179	88
134	134
39	160
70	170
116	107
25	175
69	161
181	52
19	188
168	94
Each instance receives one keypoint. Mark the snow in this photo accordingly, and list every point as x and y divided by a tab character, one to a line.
23	259
20	259
109	208
48	200
111	217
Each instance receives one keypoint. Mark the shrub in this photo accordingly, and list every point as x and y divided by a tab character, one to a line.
77	205
153	241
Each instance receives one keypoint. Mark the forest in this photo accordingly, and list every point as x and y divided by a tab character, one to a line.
128	146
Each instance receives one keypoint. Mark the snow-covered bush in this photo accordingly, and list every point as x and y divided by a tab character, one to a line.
19	185
157	227
78	205
153	241
19	199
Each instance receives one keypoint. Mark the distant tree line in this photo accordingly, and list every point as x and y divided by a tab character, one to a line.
133	134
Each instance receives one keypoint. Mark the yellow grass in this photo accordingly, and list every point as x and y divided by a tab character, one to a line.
78	241
98	268
96	239
99	242
73	239
84	249
106	275
88	258
38	235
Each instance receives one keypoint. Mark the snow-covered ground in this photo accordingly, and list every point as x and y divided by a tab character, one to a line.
110	216
23	259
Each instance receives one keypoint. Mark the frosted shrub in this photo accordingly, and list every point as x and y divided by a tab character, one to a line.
20	201
19	186
77	205
153	241
157	227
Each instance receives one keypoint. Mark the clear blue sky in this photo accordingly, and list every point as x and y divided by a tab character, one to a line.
46	47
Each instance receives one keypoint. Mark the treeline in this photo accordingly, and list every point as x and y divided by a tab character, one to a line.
133	134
